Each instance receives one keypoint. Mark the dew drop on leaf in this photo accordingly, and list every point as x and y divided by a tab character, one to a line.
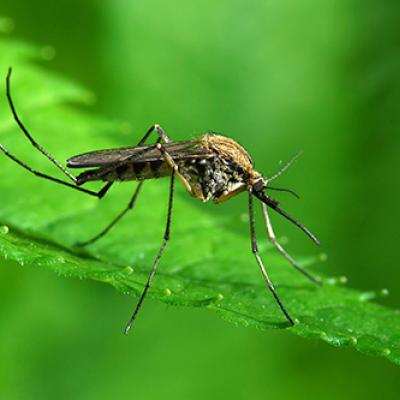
367	296
128	270
386	351
4	229
323	336
384	292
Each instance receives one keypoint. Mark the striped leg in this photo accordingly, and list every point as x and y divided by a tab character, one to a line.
157	260
28	135
254	249
162	137
273	240
115	220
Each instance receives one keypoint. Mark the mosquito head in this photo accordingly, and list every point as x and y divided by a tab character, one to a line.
258	184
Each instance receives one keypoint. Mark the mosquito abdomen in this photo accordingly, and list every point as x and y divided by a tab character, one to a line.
137	171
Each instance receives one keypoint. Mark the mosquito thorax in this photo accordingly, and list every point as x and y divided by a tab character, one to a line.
227	148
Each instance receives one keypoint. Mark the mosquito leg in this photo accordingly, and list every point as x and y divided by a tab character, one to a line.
167	157
273	240
254	249
157	260
121	214
163	137
98	194
174	166
157	128
28	135
115	220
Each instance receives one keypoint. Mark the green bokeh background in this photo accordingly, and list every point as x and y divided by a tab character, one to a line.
279	76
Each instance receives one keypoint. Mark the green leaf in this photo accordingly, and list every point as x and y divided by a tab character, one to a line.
206	264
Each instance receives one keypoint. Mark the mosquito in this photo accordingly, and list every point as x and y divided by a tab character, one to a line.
210	167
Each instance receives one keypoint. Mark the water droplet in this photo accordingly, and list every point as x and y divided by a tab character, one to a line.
339	280
4	229
367	296
220	297
353	340
61	260
128	270
323	335
387	351
167	292
384	292
6	25
296	321
48	52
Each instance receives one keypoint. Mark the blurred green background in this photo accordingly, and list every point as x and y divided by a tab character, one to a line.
278	76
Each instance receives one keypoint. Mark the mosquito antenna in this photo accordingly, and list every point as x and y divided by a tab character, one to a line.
275	206
285	167
284	190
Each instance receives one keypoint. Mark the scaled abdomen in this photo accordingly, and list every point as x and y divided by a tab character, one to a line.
137	171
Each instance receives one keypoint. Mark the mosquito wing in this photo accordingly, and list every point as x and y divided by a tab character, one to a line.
100	158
